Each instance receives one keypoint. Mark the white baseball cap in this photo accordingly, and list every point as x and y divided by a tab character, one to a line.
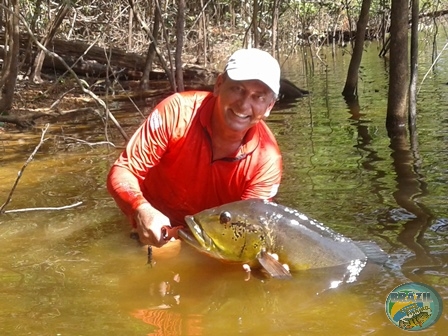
247	64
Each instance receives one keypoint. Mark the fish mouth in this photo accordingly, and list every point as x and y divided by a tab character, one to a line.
196	236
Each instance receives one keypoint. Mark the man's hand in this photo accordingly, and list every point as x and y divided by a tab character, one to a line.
149	225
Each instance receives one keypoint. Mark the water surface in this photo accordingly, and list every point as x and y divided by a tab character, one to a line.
77	272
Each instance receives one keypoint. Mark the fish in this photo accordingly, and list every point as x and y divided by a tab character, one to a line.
253	231
414	321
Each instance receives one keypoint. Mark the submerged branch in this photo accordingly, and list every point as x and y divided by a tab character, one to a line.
91	144
432	66
19	174
45	208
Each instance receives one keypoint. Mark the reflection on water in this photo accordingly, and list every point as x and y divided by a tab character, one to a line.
77	272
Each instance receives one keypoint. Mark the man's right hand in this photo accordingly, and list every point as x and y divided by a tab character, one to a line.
150	222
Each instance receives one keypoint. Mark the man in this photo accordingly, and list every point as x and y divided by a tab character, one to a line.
197	150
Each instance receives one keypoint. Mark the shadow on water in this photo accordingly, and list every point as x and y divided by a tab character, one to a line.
411	186
364	141
415	217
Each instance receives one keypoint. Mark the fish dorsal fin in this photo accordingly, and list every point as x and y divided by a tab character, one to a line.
272	266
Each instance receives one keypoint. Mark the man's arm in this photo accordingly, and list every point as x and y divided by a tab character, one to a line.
144	151
266	181
125	189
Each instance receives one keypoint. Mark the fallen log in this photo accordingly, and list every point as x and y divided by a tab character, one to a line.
98	62
95	62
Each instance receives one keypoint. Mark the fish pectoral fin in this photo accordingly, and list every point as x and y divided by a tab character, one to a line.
272	266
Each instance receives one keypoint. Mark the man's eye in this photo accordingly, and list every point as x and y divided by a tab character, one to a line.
260	97
237	89
225	217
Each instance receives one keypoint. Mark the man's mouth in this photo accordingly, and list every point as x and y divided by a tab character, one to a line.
240	115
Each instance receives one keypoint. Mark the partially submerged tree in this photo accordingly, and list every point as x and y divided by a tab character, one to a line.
414	67
351	84
397	103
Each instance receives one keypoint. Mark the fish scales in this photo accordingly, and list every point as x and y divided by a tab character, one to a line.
239	231
300	242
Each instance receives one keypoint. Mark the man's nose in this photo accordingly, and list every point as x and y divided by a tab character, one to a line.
243	102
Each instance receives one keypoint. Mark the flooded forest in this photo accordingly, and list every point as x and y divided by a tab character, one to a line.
361	121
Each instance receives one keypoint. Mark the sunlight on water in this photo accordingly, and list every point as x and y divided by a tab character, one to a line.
77	272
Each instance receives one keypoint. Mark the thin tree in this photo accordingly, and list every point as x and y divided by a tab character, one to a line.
8	75
351	84
180	27
144	81
256	34
414	67
204	33
275	16
51	31
397	103
163	62
26	66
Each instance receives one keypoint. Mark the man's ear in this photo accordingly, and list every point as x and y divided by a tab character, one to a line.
218	83
269	109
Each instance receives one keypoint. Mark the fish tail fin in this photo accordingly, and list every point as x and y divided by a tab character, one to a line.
272	266
373	252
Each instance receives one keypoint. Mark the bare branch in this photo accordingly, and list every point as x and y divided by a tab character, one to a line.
45	208
91	144
19	174
81	83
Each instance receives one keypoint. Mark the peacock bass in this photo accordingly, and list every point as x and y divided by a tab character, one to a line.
250	231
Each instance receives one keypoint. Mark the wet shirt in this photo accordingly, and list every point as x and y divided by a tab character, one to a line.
171	156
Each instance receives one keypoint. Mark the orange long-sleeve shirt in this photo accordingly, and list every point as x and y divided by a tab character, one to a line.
171	157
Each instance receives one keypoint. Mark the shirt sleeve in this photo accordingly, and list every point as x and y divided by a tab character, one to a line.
143	151
265	183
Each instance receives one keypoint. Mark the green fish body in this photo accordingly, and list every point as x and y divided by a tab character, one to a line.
247	231
414	321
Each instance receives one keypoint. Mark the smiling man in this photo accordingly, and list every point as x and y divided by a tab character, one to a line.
197	150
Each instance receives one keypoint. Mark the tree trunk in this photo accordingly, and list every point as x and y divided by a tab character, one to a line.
130	28
397	102
414	67
275	5
29	48
11	61
351	84
204	34
180	25
169	71
51	31
144	82
145	27
256	34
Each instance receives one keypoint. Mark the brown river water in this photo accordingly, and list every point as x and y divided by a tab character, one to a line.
77	272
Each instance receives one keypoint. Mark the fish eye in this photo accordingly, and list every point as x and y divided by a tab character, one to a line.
225	217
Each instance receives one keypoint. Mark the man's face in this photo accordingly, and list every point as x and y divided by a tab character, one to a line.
242	104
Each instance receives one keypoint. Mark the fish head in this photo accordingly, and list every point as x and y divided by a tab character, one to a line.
226	233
